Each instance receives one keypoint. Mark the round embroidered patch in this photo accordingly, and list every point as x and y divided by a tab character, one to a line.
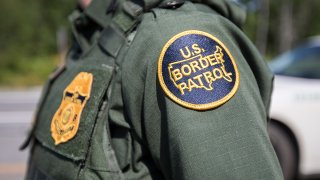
196	70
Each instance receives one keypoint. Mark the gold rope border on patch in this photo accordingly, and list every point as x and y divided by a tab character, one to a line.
187	104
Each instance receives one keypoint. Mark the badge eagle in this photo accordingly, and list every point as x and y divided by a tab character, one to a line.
66	120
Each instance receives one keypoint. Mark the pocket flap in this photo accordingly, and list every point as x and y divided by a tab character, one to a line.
64	111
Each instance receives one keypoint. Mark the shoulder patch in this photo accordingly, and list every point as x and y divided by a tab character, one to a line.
66	120
197	71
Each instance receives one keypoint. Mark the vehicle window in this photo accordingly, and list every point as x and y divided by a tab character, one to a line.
305	63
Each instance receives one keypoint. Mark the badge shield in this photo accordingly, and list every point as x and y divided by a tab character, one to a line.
66	120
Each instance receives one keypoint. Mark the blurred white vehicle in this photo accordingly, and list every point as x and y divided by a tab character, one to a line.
295	110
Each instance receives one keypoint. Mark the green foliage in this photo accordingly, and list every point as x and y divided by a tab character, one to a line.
21	72
304	23
28	38
250	25
28	30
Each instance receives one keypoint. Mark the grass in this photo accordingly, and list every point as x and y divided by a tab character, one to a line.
27	72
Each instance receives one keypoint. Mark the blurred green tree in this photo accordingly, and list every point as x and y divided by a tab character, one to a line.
277	26
28	43
28	39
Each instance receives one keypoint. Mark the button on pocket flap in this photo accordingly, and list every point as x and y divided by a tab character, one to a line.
68	115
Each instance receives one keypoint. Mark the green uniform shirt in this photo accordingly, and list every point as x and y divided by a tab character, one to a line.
136	123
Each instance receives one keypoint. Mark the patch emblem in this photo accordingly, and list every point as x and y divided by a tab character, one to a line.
196	70
66	120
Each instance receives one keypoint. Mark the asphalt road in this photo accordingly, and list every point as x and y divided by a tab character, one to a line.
16	111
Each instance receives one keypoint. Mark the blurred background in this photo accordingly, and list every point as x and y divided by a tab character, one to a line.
35	36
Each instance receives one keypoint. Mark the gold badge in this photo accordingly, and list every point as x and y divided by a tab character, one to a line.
66	120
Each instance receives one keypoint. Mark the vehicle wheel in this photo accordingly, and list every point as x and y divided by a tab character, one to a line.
286	151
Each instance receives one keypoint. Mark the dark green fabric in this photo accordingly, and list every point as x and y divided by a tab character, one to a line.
98	11
130	129
228	142
89	154
231	10
112	40
100	83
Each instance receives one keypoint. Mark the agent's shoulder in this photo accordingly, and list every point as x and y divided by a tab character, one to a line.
163	29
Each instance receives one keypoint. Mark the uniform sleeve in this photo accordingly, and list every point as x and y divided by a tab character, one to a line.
227	140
